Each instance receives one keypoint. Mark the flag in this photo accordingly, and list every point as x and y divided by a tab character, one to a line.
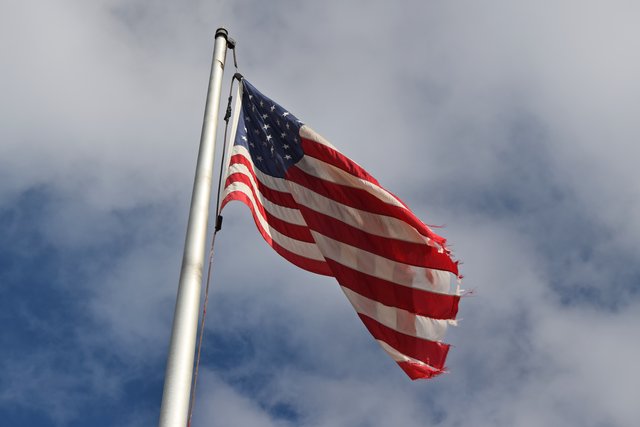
324	213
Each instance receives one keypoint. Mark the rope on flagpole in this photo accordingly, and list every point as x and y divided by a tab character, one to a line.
218	227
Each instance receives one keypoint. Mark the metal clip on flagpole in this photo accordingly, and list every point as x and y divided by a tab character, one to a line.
177	383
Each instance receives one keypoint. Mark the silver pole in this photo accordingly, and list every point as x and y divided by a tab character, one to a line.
178	376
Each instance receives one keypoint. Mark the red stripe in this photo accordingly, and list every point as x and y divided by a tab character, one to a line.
335	158
308	264
430	352
417	301
298	232
419	254
359	199
417	371
274	196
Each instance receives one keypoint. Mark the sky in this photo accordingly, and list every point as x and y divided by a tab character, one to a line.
513	124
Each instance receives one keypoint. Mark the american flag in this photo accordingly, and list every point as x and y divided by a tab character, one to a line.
326	214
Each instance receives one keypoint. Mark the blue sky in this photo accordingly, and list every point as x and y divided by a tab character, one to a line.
513	124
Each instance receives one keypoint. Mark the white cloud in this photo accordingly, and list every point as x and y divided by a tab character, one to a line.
221	405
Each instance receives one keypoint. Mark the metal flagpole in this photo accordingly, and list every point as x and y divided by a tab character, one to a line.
177	382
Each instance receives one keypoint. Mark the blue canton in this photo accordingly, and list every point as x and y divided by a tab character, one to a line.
269	132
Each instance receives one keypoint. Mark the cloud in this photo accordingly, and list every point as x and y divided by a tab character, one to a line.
513	124
227	407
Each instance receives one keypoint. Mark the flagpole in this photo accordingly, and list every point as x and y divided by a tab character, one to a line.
178	376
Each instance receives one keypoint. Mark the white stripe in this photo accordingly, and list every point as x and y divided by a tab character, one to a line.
327	172
284	213
272	182
398	319
379	225
307	133
400	357
375	265
305	249
237	108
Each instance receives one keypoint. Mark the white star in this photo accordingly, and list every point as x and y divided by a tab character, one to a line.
244	138
273	107
269	137
285	114
252	144
245	128
287	125
264	116
283	135
287	157
259	158
285	146
261	103
265	127
278	122
250	97
248	119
